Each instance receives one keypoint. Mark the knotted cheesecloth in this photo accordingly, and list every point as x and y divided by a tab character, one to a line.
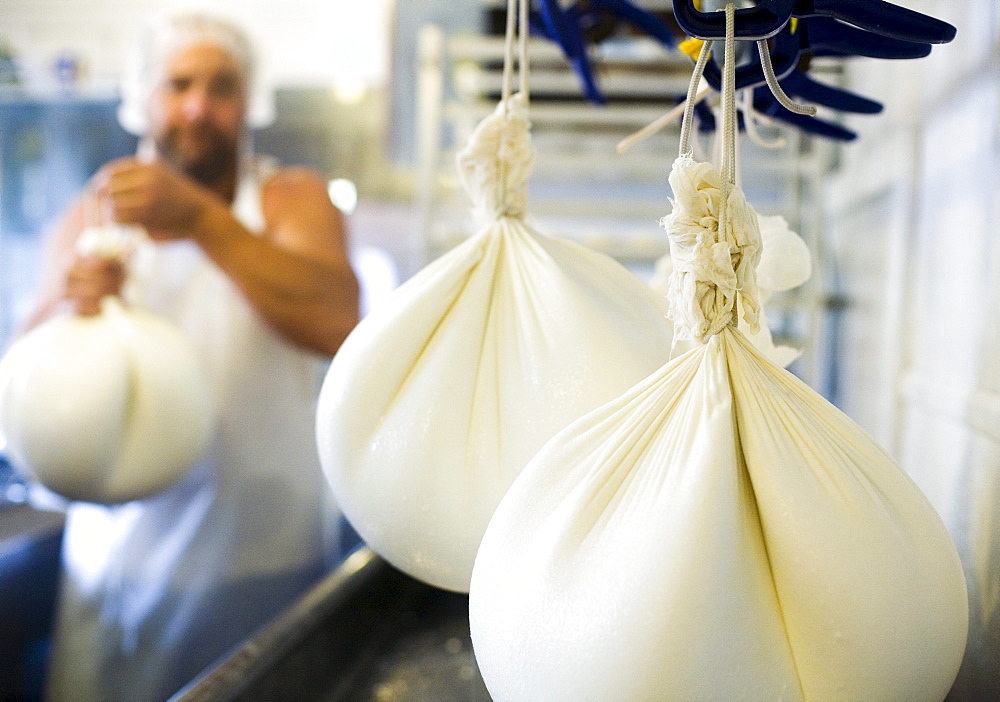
719	531
785	263
438	398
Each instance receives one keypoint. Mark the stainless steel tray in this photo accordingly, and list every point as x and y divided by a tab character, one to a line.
366	633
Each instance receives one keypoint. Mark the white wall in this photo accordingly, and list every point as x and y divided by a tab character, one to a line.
333	42
913	218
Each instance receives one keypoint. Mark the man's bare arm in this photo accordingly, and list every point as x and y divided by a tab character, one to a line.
67	280
297	276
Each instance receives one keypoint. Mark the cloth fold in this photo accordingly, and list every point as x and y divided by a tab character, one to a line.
711	267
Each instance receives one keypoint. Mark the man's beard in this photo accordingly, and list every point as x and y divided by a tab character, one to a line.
212	163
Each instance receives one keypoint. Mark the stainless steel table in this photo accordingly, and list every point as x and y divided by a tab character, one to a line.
366	633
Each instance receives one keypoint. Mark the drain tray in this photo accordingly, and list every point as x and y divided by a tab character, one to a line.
366	633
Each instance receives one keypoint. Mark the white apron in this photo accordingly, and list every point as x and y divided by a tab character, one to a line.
154	591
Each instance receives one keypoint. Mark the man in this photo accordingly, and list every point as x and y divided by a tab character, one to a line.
251	262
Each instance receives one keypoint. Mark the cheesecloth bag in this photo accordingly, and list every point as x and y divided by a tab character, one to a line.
439	398
719	531
104	408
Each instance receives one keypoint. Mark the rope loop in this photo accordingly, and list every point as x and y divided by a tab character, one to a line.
714	233
495	164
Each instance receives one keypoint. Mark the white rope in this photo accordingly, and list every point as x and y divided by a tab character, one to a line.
713	231
661	122
697	91
776	89
750	119
517	25
729	122
495	163
728	166
691	101
508	62
524	31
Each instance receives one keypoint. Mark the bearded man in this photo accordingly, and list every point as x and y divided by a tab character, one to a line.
251	262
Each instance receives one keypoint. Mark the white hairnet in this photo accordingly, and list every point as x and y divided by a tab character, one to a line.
164	38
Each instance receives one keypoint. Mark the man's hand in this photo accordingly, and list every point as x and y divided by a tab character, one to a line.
153	195
91	278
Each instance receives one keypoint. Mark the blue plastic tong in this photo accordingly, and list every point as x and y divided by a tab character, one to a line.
768	17
565	27
839	28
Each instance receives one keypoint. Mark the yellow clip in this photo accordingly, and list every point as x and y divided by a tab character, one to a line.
795	24
691	47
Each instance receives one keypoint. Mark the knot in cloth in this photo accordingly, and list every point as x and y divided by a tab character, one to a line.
495	164
710	266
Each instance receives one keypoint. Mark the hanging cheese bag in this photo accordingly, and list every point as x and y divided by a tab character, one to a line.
104	408
719	531
439	398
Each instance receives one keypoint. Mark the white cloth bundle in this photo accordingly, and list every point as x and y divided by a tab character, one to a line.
719	531
106	408
438	398
785	263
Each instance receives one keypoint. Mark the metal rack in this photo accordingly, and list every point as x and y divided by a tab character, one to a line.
581	187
